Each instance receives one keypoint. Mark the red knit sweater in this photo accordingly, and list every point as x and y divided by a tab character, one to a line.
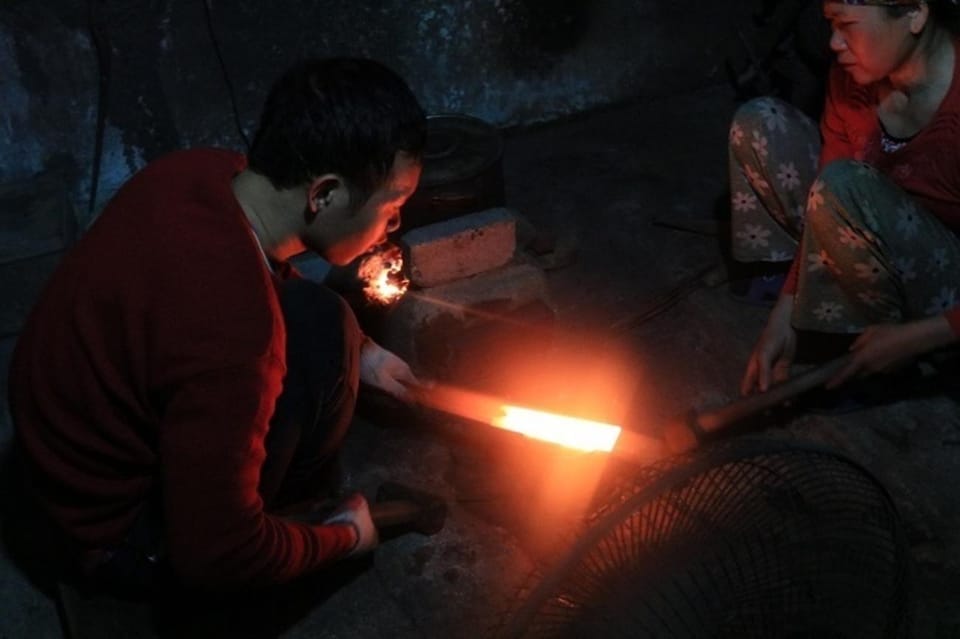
152	361
928	167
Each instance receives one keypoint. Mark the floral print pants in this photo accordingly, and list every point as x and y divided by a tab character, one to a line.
870	254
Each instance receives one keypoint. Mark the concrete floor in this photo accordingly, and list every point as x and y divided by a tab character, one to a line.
607	182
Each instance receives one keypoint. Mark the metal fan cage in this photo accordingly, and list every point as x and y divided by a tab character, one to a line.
752	539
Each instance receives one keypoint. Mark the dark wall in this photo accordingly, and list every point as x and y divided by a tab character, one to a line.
511	62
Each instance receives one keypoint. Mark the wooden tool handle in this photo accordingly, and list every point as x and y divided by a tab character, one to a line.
396	512
714	420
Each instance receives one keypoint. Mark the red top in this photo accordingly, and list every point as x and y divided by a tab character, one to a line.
152	361
927	167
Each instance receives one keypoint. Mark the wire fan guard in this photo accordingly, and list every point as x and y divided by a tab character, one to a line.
753	539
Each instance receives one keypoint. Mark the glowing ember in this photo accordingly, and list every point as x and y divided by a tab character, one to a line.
571	432
381	272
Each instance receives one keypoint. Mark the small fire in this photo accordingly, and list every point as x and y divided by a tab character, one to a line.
381	273
571	432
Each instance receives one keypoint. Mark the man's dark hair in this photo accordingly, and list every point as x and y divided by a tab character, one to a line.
346	116
944	13
899	10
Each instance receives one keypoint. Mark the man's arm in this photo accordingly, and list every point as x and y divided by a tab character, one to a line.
211	451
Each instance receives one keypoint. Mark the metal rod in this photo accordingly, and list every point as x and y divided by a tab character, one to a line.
717	419
642	449
639	449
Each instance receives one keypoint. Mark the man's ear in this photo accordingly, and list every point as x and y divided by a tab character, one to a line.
919	16
326	192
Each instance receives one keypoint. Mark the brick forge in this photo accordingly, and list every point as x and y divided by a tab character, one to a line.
476	310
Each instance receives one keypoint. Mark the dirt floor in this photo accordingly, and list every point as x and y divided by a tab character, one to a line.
645	328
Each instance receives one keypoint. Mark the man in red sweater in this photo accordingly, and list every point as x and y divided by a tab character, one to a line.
176	383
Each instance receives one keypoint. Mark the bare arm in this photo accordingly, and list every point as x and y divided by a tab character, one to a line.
885	347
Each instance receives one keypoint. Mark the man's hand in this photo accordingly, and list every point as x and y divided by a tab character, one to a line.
885	347
383	370
355	512
773	353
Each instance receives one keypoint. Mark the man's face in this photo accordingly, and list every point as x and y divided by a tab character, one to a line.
869	44
344	233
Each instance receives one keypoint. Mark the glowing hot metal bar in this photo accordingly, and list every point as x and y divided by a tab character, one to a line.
572	432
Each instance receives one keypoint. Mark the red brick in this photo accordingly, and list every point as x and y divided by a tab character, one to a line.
460	247
412	331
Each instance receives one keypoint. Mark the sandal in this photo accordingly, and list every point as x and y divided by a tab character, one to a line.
760	290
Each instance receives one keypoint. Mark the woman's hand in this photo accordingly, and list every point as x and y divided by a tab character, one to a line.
773	353
385	371
886	347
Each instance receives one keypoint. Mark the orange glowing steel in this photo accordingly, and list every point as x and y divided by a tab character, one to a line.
381	272
571	432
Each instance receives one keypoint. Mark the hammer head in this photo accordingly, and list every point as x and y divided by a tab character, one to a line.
399	509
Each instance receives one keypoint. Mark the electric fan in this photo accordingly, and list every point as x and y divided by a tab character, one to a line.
749	539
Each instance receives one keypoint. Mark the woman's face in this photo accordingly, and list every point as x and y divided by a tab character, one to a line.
869	43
